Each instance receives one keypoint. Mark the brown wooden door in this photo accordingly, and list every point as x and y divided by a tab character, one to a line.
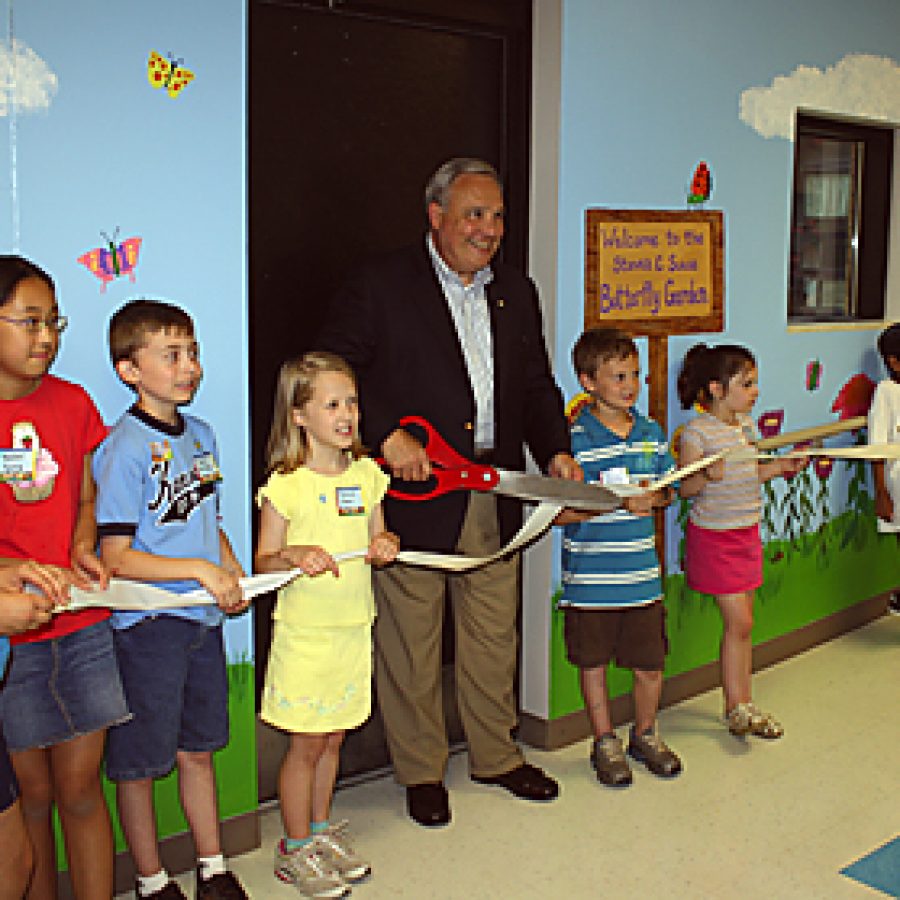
352	105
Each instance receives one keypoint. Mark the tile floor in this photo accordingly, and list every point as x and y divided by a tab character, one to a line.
746	819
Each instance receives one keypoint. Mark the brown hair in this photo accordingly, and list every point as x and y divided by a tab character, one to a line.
596	345
287	446
136	320
703	365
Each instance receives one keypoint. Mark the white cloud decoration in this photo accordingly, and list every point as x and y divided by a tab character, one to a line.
859	85
26	81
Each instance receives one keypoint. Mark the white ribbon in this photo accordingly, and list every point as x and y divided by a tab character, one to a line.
135	596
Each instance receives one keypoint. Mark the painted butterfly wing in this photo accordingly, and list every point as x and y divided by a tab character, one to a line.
158	70
128	254
180	79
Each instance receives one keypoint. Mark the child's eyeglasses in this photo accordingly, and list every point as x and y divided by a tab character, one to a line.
33	325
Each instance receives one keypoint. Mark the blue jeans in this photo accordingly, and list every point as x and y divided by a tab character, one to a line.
175	679
61	688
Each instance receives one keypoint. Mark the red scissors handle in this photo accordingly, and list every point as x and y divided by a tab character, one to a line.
450	470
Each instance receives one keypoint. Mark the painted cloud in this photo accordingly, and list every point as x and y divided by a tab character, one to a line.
25	79
858	85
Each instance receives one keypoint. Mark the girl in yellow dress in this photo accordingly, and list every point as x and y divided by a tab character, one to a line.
322	500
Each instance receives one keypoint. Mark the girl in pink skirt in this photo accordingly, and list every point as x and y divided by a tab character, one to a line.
723	550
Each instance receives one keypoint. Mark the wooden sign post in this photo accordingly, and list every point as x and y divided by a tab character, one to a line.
652	273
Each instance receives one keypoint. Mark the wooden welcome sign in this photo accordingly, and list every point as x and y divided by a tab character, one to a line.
654	273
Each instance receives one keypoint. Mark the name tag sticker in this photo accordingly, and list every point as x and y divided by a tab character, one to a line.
616	475
206	468
350	501
16	464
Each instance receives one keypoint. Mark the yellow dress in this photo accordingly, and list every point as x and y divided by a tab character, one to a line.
319	676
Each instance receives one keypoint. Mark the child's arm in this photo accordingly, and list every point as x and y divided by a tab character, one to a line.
85	564
786	468
691	485
49	579
20	610
229	562
384	545
274	555
124	561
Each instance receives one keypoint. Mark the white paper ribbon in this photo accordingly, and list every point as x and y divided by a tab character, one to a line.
136	596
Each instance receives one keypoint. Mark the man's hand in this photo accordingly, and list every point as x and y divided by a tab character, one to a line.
564	466
406	456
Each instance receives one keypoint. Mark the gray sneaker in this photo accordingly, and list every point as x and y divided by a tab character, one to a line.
334	847
307	871
608	760
649	749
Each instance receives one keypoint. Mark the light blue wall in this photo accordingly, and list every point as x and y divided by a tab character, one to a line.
649	89
111	151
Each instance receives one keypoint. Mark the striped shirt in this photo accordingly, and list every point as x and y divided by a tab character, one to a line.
733	502
610	560
469	309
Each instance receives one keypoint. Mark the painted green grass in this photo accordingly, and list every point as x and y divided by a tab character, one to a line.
235	767
844	562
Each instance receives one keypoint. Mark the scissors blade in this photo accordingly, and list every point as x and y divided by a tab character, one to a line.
574	494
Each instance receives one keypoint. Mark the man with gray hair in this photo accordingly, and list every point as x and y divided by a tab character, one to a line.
440	330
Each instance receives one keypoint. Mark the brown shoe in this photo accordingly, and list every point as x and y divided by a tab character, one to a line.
524	781
608	760
649	749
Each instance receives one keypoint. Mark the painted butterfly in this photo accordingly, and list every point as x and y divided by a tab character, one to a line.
168	73
114	260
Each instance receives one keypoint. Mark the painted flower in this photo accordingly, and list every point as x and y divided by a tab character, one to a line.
770	422
823	466
855	397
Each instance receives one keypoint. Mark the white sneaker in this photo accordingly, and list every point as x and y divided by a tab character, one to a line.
334	847
307	871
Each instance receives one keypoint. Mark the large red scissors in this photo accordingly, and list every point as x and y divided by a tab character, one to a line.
450	471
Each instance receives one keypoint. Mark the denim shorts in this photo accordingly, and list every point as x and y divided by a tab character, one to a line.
9	787
61	688
174	675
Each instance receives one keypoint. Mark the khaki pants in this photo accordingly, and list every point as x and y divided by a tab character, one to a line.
484	602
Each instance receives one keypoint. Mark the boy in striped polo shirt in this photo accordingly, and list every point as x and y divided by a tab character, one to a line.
612	589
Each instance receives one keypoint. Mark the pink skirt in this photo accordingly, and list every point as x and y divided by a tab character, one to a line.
723	562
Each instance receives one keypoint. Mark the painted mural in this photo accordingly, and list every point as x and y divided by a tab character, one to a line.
629	148
142	190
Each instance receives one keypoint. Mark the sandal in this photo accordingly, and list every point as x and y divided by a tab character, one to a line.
748	718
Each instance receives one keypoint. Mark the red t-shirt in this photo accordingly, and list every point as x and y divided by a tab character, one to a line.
37	518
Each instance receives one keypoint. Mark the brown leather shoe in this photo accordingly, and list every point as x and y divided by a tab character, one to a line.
428	804
525	781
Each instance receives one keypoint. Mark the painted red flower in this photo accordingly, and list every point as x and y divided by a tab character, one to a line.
823	466
770	422
855	397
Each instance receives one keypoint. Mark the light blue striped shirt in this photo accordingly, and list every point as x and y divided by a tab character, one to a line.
469	309
610	560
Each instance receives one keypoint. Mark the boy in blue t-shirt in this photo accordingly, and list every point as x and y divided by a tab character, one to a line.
612	589
157	519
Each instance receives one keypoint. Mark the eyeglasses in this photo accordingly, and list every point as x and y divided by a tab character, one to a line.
33	325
